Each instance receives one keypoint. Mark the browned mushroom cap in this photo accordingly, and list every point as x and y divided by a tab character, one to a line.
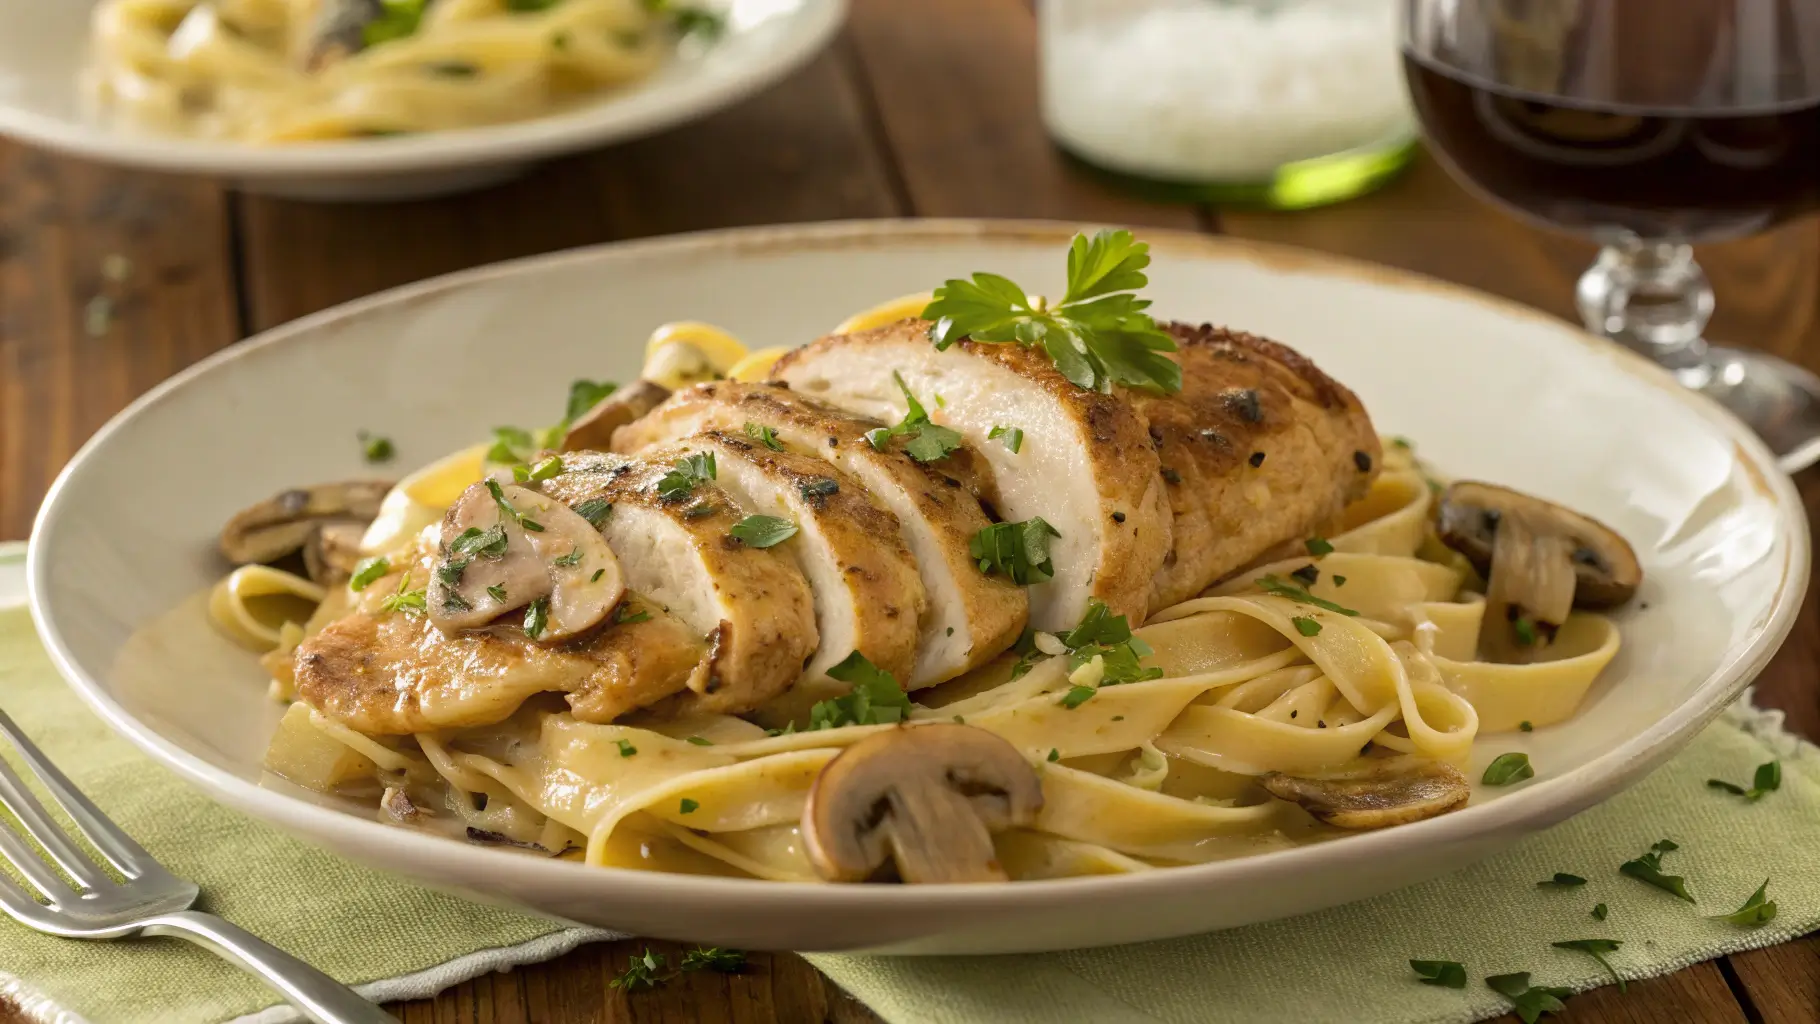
1393	791
1539	560
928	797
594	431
291	520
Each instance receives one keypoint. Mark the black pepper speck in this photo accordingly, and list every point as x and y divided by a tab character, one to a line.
1256	460
1362	460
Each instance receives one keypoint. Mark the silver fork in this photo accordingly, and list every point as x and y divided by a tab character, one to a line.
151	901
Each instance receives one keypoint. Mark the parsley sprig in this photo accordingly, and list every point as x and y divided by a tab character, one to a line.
1648	868
1596	948
1444	973
1108	637
1017	550
647	970
410	602
928	440
1756	912
1098	335
688	473
875	699
1530	1003
1767	780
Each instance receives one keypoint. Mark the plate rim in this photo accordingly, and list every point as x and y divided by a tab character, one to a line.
588	126
1542	803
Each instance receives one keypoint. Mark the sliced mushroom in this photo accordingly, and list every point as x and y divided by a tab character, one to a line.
927	797
1393	791
505	551
594	431
332	553
339	31
292	520
1539	560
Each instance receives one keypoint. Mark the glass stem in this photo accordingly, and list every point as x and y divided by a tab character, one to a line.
1653	297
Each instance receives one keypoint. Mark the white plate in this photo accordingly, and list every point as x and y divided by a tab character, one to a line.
43	46
1486	388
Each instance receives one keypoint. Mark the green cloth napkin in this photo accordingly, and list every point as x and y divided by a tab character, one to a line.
1349	964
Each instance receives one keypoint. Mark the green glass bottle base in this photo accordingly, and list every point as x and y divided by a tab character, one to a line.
1297	186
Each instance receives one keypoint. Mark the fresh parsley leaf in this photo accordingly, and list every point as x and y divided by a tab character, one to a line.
1596	948
397	19
454	602
1010	437
497	593
1506	769
511	446
1599	911
368	571
1648	868
701	741
875	699
764	435
762	531
1563	880
1077	696
506	509
1530	1003
1108	637
1730	787
1318	546
1018	550
375	448
1306	626
410	602
1768	779
595	511
537	616
1525	726
1756	912
928	442
574	557
598	573
626	749
584	395
1445	973
1338	581
689	472
1097	336
626	616
544	470
1054	755
1273	584
477	543
726	961
688	806
642	973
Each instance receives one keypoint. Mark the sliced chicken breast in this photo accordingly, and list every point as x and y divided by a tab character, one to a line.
1086	465
751	606
389	673
868	596
1258	448
971	617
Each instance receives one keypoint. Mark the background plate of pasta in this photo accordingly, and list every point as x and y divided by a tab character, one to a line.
367	99
932	587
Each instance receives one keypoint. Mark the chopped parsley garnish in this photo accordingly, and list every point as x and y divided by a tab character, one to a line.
1306	626
700	509
452	68
1098	335
410	602
1054	754
1076	696
626	749
643	972
368	571
1018	550
714	958
1338	581
505	507
1506	769
396	19
544	470
574	557
1768	779
584	395
537	616
701	741
1318	546
762	531
595	511
1599	911
1562	880
875	699
512	446
1756	912
1010	437
818	489
1525	726
1273	584
375	448
454	602
1531	1003
1108	637
689	472
1307	575
697	21
475	542
598	573
449	572
688	806
1525	630
928	441
497	593
1445	973
764	435
1596	948
626	616
1648	868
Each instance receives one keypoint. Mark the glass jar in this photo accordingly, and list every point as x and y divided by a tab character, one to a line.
1283	103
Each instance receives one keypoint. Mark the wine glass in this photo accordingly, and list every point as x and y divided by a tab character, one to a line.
1646	126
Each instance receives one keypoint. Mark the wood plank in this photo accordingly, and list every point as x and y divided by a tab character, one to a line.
797	152
1697	995
955	88
76	346
1781	982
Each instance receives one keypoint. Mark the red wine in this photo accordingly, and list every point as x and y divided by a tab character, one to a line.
1588	167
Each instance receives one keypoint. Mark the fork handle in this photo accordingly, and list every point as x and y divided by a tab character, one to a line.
320	997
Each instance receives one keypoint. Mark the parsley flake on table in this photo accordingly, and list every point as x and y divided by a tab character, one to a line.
764	435
1530	1003
714	958
1098	335
375	448
762	531
1599	911
689	472
1563	880
368	571
642	973
1768	779
928	441
1444	973
595	511
1010	437
1506	769
876	698
1648	868
1596	948
1017	550
1756	912
1108	637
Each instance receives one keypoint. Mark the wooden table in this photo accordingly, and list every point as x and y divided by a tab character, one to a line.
924	108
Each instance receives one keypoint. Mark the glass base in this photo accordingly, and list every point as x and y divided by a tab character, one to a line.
1777	399
1296	186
